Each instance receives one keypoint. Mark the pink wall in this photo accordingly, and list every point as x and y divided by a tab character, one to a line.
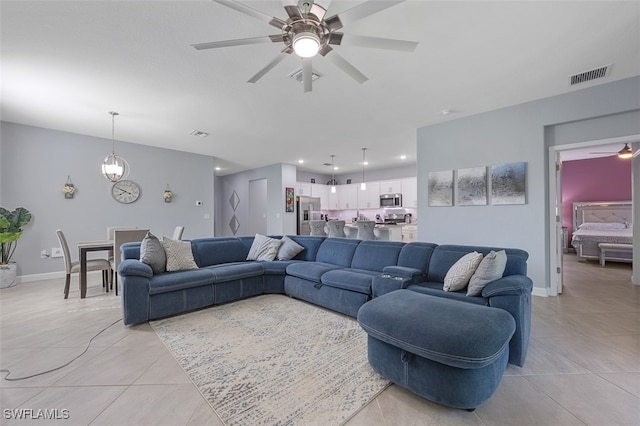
597	179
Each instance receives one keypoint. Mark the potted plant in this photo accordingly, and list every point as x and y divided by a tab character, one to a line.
11	224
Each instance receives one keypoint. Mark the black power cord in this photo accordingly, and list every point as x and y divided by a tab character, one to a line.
4	370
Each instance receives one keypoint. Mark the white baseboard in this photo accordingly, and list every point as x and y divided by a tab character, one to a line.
540	292
47	276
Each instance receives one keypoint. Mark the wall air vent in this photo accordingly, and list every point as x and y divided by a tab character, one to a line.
589	75
297	75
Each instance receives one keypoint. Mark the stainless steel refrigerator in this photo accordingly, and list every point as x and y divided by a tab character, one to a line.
307	208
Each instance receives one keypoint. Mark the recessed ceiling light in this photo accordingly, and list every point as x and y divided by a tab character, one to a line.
218	168
403	157
301	161
199	134
445	112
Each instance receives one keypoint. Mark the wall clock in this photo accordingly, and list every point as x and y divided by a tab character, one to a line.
125	191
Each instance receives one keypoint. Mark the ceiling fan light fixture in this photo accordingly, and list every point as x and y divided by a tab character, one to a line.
625	152
306	44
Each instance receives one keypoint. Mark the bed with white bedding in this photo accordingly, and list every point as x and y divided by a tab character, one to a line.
601	222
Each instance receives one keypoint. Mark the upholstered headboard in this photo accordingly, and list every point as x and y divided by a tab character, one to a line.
602	212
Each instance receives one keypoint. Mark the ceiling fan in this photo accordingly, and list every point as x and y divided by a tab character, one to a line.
625	152
307	32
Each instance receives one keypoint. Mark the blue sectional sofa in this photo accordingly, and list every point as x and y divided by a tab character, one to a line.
336	273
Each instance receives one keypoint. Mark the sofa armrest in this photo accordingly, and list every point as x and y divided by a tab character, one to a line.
512	285
413	275
129	267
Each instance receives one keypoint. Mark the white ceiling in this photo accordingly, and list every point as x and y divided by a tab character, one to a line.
65	64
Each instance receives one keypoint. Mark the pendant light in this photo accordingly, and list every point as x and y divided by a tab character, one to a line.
333	178
363	185
114	167
625	152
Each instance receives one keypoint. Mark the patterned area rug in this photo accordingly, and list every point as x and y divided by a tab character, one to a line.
274	360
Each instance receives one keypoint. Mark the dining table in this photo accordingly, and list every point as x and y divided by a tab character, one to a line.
83	248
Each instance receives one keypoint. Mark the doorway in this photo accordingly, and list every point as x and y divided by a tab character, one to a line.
555	202
258	206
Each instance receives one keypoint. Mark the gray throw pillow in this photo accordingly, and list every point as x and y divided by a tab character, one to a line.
152	253
264	248
179	255
289	249
490	269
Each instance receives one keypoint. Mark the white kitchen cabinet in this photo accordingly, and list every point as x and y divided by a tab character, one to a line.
370	197
332	199
304	189
322	192
348	196
410	192
391	186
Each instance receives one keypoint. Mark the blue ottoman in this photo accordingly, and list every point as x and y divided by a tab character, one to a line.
447	351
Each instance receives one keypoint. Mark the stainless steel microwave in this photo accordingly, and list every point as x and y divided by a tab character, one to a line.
391	200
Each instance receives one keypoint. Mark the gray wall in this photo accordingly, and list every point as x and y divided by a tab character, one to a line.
278	176
519	133
35	163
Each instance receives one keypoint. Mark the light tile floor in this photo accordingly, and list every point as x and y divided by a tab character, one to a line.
583	365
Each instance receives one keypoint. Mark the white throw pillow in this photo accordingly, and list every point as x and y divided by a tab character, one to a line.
288	249
179	255
460	273
490	269
264	248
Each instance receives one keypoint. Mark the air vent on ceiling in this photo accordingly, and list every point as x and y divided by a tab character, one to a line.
199	134
297	75
589	75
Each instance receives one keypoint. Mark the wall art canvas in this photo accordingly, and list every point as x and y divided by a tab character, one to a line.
289	200
509	183
441	189
472	187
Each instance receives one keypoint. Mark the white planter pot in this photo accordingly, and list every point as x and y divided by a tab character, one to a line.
7	275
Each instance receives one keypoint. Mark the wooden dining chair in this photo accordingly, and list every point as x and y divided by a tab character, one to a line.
73	267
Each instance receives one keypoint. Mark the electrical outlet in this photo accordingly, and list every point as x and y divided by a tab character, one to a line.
56	252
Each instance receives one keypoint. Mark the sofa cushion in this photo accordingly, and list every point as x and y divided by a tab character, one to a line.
435	289
172	281
375	255
152	253
337	251
235	271
416	255
288	249
179	255
357	280
460	273
490	269
277	267
215	251
311	271
264	248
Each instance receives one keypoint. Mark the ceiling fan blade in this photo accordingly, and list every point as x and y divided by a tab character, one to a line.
275	61
345	66
273	21
335	38
307	74
358	12
238	42
379	43
293	11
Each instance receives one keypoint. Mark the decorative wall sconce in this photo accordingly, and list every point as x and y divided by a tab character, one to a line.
68	188
168	195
